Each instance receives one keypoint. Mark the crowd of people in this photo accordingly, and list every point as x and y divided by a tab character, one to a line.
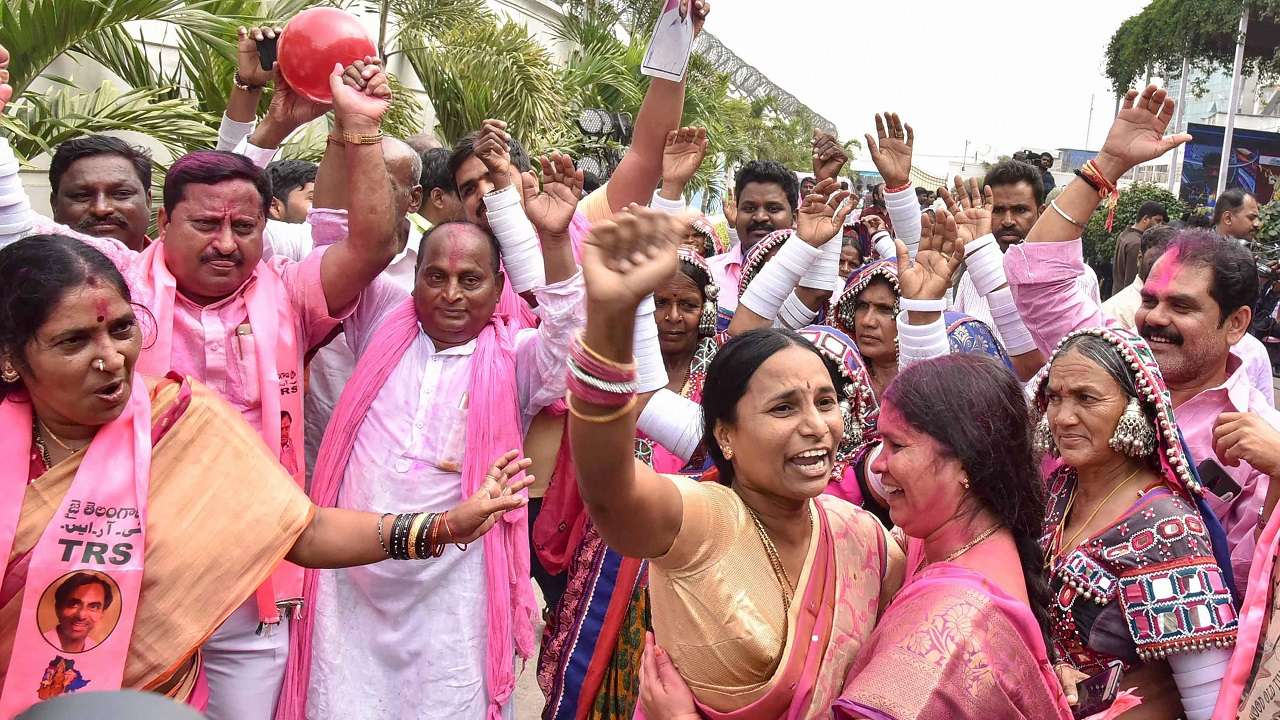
308	450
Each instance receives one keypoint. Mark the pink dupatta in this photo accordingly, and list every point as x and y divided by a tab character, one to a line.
493	427
272	334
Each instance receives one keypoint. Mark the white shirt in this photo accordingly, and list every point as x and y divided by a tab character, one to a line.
407	639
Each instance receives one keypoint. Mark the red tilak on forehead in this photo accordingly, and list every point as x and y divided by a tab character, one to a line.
101	306
1160	280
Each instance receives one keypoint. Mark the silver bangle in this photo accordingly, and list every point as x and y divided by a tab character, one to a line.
1054	204
628	388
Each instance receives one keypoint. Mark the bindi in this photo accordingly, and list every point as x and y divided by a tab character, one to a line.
101	306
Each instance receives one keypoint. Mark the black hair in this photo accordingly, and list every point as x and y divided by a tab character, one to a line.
1152	208
727	377
79	580
1229	201
285	414
1235	275
1155	241
1012	172
435	171
35	273
768	171
495	250
975	409
93	145
211	167
1199	221
1046	155
289	175
466	147
590	182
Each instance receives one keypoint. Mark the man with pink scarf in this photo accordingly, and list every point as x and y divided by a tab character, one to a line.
242	325
442	376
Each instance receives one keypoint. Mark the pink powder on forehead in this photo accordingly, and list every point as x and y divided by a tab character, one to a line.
1161	277
101	306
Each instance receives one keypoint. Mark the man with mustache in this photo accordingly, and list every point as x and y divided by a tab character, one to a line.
1196	305
242	325
767	196
101	186
1236	215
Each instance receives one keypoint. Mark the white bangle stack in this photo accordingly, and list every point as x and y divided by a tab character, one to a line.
985	263
779	277
884	245
671	207
920	342
794	314
819	274
1004	313
673	421
904	212
651	372
521	251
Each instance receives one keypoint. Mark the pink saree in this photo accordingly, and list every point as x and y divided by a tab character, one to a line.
953	645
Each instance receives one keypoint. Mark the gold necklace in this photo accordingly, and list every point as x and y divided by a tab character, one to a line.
972	543
39	444
58	440
1096	509
775	559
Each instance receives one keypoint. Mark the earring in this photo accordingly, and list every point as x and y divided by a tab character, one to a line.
707	321
964	480
852	428
1042	440
1134	436
9	374
727	452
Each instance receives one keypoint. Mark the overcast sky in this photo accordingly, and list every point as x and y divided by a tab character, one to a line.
1003	74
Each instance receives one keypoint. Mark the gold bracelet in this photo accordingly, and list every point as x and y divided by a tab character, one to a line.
358	139
611	363
413	534
600	419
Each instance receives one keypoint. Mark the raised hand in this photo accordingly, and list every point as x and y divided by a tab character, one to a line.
822	216
551	208
6	90
730	204
829	156
1137	133
361	110
681	158
940	254
892	154
701	9
248	61
493	147
971	206
497	496
627	258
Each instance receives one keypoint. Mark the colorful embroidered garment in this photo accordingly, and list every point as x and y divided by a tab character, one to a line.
953	646
1150	584
759	254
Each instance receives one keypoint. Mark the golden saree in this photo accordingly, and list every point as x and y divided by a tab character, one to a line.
221	514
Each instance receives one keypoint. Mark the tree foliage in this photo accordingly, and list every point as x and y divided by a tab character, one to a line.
1203	31
1100	245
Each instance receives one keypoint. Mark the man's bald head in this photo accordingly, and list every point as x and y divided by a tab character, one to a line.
444	232
404	165
423	142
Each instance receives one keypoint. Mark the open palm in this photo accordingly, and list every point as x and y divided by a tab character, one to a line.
1137	134
892	148
683	154
971	207
928	276
551	208
821	216
627	258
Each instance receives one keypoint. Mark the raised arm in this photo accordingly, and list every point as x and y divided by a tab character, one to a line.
638	173
923	280
351	264
682	155
345	538
801	265
971	206
891	150
550	209
241	115
637	511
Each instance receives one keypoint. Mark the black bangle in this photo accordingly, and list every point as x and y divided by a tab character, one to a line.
400	536
1088	181
242	85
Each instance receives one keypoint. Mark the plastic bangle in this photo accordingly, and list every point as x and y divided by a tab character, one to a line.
899	188
600	419
922	305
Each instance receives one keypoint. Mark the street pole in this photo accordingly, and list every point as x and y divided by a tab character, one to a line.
1088	128
1179	122
1237	71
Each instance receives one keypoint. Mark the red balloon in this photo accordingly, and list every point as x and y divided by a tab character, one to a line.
313	42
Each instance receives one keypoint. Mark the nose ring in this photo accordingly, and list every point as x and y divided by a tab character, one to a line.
100	365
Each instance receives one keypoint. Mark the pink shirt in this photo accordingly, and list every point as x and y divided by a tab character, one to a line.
205	343
1042	277
726	271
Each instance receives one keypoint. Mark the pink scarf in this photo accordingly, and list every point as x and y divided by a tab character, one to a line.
493	427
98	532
271	337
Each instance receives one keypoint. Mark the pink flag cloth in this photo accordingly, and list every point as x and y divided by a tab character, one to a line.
493	428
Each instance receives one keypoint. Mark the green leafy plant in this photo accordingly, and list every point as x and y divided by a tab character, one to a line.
1100	245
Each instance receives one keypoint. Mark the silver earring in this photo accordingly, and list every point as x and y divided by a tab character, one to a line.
1042	439
9	374
1134	436
965	482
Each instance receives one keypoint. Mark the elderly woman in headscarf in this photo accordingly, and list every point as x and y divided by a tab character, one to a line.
1139	572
